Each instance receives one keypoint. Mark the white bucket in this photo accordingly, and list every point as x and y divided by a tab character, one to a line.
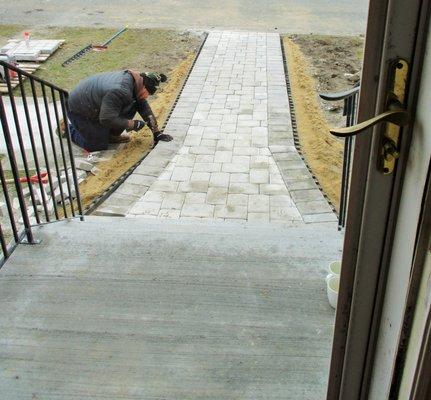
332	287
334	268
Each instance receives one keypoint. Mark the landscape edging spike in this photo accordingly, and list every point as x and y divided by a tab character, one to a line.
89	47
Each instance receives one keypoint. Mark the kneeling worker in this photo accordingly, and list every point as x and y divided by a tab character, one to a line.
102	106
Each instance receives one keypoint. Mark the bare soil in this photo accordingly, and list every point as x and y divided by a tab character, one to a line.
335	63
322	64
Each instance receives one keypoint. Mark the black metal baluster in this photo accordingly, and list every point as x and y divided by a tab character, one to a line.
51	185
42	139
57	119
346	195
15	172
19	136
8	202
348	155
343	187
347	108
349	150
54	151
72	160
66	128
3	244
349	145
33	147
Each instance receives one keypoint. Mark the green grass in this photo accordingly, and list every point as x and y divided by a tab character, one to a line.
9	31
143	49
9	175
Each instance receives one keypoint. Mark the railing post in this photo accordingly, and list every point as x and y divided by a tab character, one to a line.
349	111
8	204
3	244
63	101
15	173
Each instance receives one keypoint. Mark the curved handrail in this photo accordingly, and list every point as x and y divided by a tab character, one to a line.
15	68
339	95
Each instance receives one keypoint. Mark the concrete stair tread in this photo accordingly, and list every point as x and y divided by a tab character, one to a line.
137	308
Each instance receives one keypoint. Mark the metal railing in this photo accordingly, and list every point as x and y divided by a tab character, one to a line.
350	98
42	185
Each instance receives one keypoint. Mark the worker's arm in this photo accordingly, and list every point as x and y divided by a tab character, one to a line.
109	116
148	116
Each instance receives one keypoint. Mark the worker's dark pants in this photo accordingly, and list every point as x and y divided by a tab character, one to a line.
88	134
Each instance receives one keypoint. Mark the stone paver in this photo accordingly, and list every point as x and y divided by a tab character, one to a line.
232	156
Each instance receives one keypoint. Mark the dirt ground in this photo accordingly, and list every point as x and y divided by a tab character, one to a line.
322	64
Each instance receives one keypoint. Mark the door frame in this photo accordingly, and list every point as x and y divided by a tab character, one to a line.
374	198
422	374
421	389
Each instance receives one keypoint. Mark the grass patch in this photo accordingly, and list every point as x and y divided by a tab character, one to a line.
9	31
143	49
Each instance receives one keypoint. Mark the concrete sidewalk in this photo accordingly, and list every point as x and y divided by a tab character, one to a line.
233	157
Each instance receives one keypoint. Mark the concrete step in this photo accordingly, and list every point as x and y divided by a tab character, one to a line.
94	241
136	308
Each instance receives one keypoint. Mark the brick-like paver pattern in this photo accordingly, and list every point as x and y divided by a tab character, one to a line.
233	156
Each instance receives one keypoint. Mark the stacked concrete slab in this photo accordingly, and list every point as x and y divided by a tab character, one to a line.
33	50
45	194
54	190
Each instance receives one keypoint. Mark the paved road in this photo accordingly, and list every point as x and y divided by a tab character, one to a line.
291	16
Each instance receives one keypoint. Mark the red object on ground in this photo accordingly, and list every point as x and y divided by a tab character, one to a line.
97	47
43	177
13	74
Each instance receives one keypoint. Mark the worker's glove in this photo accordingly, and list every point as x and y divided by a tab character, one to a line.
161	137
137	125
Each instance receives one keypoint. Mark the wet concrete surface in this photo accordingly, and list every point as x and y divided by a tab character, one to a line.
336	17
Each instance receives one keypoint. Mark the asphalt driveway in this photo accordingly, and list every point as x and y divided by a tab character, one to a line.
337	17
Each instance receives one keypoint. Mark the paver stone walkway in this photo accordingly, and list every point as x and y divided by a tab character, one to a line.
233	156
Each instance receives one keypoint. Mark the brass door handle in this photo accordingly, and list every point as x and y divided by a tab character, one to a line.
396	115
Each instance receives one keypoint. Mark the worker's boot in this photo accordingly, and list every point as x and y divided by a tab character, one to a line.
124	137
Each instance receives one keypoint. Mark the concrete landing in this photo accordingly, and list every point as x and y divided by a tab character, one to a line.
116	308
233	157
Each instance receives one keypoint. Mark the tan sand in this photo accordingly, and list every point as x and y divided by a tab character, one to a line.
322	151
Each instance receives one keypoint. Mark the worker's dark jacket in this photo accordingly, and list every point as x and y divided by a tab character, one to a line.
101	105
